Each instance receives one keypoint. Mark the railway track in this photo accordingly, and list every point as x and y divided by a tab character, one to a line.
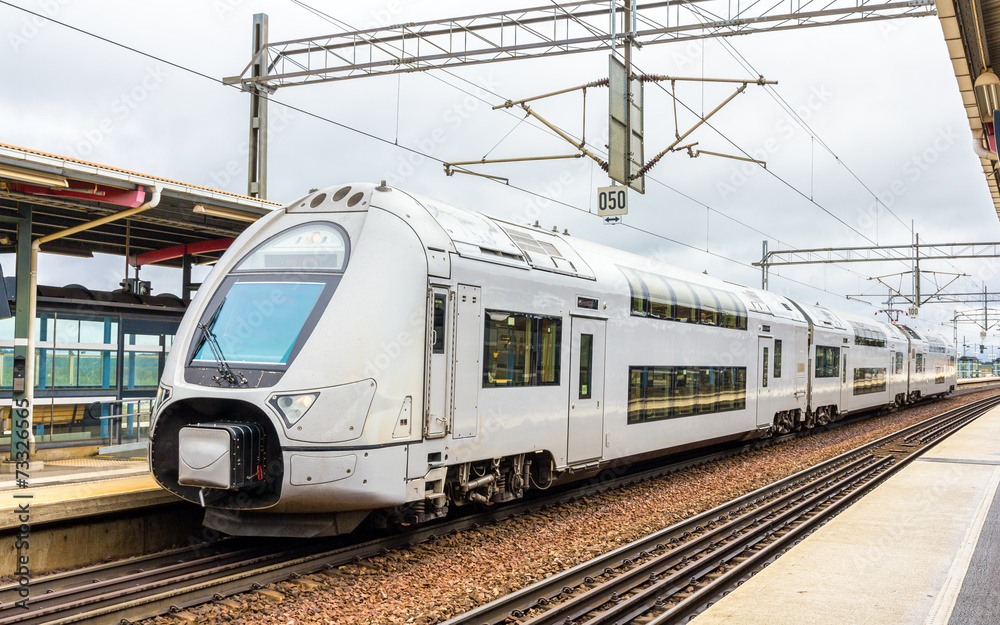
671	575
128	591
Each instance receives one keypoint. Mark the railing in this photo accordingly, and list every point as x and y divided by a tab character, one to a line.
124	423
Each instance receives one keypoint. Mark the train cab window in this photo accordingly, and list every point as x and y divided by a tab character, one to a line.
586	365
260	322
521	350
827	362
777	358
440	306
316	246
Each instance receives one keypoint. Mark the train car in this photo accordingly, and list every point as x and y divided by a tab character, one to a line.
870	365
932	363
368	350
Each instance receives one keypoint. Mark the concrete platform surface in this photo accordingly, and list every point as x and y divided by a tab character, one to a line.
921	549
81	487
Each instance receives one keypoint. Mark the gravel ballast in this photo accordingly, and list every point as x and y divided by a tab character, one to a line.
434	581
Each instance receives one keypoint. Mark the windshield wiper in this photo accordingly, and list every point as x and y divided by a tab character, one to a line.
225	371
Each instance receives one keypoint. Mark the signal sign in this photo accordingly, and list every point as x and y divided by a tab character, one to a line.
612	201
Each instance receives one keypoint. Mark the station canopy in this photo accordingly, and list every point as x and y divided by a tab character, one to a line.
61	192
972	33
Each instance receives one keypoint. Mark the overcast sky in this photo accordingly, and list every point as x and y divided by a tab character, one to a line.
881	96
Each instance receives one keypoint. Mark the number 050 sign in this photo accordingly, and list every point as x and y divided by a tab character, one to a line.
612	201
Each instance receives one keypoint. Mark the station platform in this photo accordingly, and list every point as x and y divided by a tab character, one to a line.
87	510
71	489
923	549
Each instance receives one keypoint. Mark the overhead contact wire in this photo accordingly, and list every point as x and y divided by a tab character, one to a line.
383	140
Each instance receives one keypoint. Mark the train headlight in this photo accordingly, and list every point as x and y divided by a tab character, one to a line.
292	407
162	395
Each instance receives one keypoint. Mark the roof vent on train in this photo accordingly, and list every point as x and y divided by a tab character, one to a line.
474	235
756	303
335	199
827	318
547	251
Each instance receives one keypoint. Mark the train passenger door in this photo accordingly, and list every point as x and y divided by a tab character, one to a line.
467	370
846	382
765	353
438	369
586	390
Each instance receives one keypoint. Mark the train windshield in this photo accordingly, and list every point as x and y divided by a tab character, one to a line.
260	322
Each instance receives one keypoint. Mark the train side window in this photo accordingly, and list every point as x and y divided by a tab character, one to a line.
899	362
708	306
777	358
521	350
678	300
708	390
656	393
586	365
640	297
547	351
765	368
827	362
660	298
869	380
686	301
440	306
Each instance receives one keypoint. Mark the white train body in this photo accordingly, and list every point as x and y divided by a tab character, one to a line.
389	352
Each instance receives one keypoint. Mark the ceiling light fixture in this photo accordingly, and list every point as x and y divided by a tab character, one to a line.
987	88
33	177
229	213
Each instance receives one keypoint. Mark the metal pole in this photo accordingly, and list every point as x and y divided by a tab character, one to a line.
257	165
763	268
186	278
628	93
22	400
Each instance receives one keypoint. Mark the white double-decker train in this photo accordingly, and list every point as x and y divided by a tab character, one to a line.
367	350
